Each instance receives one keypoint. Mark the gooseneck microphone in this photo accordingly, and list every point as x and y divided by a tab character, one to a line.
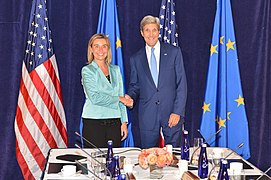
206	141
92	157
81	165
90	143
238	147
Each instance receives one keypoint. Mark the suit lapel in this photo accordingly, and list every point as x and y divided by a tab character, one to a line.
102	76
145	65
112	76
163	62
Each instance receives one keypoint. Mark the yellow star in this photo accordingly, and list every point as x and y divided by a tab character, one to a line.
213	49
240	101
221	122
230	45
118	43
221	39
205	107
228	115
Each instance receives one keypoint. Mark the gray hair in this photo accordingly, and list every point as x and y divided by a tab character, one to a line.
149	20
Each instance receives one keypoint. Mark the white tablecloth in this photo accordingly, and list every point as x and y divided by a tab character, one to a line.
169	173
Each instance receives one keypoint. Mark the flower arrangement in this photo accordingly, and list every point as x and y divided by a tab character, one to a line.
154	156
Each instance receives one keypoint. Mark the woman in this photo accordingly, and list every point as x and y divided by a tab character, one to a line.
104	112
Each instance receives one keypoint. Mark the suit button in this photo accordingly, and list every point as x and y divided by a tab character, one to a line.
157	102
157	90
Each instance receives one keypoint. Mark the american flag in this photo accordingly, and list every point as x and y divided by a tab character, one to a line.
40	122
168	26
168	34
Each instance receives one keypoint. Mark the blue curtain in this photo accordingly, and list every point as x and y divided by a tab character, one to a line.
72	25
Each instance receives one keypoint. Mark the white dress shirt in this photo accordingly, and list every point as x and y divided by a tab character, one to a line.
156	53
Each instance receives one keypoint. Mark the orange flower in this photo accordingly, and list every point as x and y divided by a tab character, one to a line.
161	160
154	156
152	159
142	160
169	159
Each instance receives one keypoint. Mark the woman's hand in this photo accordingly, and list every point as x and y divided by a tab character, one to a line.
123	131
127	101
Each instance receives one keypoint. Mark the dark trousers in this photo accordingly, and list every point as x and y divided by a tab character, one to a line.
171	135
99	131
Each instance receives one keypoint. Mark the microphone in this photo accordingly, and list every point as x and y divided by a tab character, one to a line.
81	165
92	157
238	147
208	139
212	135
90	143
265	173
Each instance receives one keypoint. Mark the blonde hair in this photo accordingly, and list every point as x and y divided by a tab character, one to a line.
90	43
149	20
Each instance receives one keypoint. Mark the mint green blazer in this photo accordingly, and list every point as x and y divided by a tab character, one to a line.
102	97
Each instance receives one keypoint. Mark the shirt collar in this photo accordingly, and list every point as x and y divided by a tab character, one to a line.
156	46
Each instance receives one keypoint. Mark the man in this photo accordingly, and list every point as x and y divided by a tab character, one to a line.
158	83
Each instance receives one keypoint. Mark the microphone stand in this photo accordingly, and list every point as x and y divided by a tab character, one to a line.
192	156
239	146
90	143
106	169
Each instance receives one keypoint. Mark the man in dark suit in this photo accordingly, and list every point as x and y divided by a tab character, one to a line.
158	84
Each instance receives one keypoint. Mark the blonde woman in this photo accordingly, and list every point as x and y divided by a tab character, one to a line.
104	112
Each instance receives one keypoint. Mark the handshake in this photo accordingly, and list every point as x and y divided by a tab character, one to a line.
127	101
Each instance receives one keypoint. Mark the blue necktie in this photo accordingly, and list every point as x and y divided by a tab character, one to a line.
154	71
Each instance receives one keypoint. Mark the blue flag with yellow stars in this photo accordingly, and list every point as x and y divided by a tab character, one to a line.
224	105
108	24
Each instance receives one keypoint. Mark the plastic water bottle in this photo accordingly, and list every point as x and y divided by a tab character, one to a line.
116	171
109	157
203	162
185	146
223	173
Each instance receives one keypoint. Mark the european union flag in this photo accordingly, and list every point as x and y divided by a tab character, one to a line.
224	105
108	24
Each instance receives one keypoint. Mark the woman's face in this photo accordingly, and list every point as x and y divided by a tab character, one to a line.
99	49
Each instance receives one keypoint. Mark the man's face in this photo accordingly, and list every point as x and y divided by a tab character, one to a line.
150	34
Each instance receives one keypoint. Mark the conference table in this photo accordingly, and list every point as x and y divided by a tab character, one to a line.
57	158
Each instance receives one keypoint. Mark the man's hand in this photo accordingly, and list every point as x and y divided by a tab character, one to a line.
124	131
173	120
130	103
126	100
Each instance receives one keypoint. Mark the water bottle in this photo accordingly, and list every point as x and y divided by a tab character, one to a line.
116	169
223	173
185	146
203	162
109	157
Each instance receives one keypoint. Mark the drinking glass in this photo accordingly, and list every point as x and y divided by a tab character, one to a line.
196	150
97	165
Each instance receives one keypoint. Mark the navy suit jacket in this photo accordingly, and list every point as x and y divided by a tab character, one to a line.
157	103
